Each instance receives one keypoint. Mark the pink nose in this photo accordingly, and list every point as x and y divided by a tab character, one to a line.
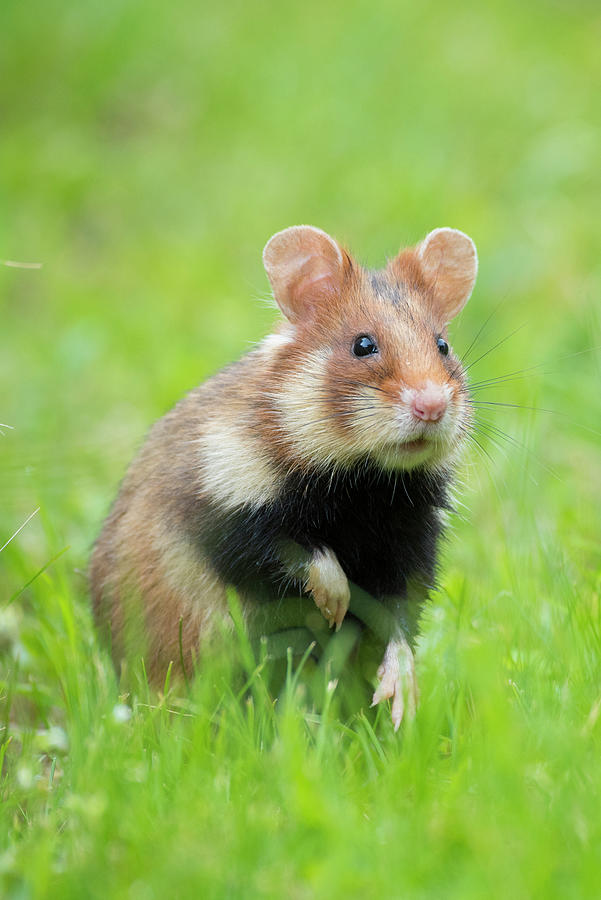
429	404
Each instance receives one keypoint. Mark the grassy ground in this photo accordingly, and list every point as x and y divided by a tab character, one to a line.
148	150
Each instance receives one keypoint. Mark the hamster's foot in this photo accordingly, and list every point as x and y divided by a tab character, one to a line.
398	681
329	586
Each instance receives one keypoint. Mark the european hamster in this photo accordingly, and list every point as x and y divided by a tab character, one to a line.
322	457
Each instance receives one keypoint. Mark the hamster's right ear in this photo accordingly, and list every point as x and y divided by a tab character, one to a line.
304	265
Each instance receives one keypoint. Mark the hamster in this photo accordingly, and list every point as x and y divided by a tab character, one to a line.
324	456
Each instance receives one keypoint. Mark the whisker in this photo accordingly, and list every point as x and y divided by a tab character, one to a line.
493	431
481	329
496	346
471	438
488	404
371	387
338	415
487	458
494	382
520	373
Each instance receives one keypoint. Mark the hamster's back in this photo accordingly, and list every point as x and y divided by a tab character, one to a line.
153	589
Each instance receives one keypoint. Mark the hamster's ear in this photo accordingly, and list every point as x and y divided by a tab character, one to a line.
304	264
449	263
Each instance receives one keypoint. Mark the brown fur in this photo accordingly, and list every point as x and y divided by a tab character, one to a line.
142	572
288	405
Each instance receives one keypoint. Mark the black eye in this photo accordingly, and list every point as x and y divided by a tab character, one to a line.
364	345
442	345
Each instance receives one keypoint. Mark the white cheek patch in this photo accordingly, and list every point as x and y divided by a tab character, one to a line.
373	422
235	469
307	415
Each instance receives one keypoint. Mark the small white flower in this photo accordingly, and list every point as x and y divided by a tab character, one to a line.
121	713
25	777
57	738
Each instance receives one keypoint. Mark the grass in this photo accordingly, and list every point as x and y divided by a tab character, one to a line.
148	152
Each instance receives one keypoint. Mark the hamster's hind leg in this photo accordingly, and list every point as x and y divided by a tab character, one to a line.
398	680
396	673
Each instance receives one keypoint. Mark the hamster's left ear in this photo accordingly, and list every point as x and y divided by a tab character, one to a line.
449	263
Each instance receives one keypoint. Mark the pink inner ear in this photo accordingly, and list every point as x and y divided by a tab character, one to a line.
308	287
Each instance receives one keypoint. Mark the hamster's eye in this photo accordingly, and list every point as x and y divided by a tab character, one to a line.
442	345
364	345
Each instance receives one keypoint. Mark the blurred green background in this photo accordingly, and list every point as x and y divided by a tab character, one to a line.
147	152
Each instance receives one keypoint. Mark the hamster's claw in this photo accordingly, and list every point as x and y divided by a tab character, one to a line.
329	587
332	608
398	681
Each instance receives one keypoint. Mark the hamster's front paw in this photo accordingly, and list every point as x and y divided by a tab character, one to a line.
329	586
398	680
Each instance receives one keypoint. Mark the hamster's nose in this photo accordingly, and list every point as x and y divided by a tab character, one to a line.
429	403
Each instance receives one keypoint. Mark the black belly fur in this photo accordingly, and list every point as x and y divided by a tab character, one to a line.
383	528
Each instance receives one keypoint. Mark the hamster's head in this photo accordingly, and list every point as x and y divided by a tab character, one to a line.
363	369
